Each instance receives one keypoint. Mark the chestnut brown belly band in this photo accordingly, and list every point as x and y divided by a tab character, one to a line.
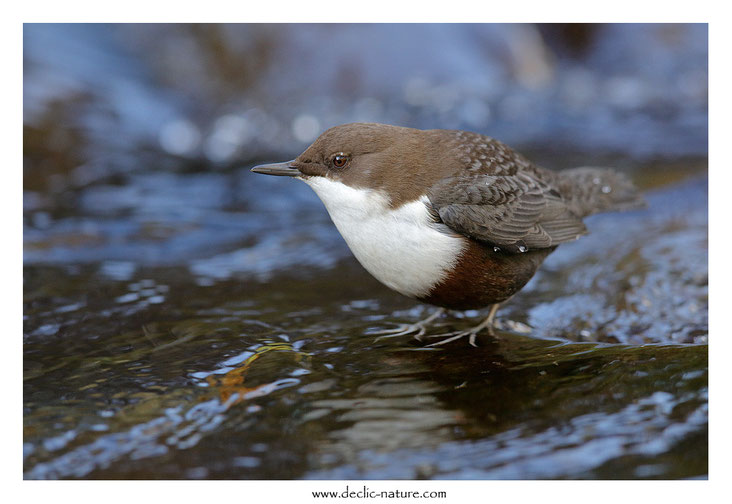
483	277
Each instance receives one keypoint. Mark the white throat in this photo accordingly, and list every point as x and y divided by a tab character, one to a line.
403	248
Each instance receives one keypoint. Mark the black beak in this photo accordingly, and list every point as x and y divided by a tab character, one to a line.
280	169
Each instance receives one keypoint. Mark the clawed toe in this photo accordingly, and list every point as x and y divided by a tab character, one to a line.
472	335
452	336
401	330
418	328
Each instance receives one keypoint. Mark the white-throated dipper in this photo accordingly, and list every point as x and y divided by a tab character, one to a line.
451	218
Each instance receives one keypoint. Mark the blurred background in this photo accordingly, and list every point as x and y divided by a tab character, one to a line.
185	318
122	119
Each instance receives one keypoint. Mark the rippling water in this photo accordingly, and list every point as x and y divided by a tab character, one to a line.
171	372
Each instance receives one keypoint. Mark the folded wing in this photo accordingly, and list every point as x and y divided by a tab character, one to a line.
514	212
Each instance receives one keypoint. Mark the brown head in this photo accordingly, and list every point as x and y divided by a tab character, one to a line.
402	162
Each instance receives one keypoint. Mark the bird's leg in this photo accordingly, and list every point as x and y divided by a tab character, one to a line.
418	328
472	333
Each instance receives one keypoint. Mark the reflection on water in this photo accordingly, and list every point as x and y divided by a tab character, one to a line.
153	373
236	399
515	419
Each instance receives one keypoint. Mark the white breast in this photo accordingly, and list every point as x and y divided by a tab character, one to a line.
403	248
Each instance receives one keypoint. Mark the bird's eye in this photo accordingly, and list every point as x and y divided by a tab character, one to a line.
340	160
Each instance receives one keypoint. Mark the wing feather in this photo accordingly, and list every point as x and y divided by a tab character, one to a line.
514	212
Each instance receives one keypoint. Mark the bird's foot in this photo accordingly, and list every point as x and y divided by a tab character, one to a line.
487	325
418	328
471	333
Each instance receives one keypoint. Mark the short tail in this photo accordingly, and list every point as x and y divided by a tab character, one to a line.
595	190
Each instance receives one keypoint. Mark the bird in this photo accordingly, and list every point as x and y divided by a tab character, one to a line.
451	218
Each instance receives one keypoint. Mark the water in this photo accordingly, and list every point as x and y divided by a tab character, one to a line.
184	318
157	372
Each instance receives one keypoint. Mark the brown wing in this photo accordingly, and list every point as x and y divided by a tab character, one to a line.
512	212
504	200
